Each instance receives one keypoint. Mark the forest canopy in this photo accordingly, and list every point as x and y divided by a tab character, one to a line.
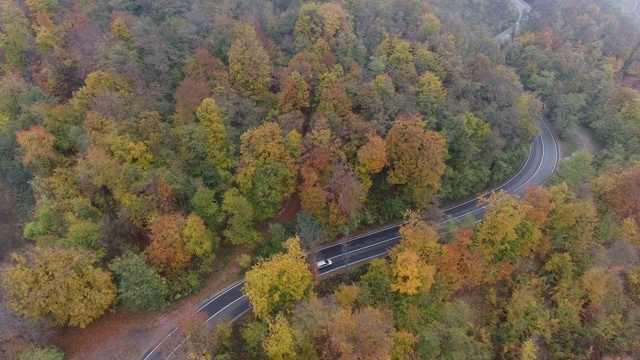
148	140
174	130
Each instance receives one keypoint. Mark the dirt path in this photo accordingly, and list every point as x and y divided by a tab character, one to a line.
128	335
290	211
584	140
580	140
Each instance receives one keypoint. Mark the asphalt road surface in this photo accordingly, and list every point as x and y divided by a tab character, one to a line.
523	7
231	303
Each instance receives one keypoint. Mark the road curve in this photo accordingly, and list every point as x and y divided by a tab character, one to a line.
231	303
523	7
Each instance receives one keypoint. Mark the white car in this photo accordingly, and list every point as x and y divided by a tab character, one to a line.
324	263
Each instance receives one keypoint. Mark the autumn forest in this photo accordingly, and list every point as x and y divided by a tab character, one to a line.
148	145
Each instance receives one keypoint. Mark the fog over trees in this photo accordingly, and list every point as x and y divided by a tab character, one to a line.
146	141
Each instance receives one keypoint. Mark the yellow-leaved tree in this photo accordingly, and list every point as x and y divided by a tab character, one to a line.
61	283
372	158
215	137
497	235
411	274
268	167
430	92
416	159
412	260
279	345
249	63
279	283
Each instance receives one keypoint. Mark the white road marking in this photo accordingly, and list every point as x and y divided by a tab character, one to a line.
522	8
212	316
447	209
378	231
368	246
527	8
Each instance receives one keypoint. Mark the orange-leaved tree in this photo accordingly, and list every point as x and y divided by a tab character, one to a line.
416	158
167	248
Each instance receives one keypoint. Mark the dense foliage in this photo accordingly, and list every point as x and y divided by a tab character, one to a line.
61	283
552	275
172	130
152	137
548	277
580	58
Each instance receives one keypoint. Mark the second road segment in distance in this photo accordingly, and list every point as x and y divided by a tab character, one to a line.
232	303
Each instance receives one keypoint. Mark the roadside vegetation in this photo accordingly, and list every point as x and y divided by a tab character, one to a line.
537	279
148	138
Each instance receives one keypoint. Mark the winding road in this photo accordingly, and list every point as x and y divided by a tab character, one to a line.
523	7
231	303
